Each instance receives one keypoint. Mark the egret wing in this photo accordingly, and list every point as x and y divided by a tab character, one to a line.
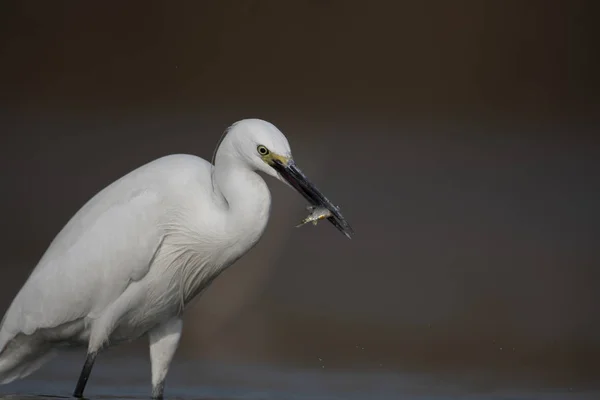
107	245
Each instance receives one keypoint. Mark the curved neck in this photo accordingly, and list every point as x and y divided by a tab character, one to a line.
246	196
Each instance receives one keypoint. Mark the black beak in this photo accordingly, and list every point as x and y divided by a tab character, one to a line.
294	176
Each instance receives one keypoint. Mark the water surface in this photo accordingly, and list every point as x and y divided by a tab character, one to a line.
118	378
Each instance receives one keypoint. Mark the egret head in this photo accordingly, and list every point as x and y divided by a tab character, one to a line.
262	147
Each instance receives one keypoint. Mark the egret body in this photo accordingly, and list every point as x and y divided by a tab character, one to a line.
131	259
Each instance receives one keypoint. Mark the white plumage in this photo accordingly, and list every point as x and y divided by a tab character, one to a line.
132	258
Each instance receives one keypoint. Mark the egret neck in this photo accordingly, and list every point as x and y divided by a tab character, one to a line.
247	198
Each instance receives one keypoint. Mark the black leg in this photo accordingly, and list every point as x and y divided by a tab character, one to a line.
157	391
85	374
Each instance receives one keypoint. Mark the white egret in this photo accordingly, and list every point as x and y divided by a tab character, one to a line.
131	259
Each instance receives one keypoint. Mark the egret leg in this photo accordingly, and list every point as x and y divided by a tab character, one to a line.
164	340
85	374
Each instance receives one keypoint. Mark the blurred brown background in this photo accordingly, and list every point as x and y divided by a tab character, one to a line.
459	138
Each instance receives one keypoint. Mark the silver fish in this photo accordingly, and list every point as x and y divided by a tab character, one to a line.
317	214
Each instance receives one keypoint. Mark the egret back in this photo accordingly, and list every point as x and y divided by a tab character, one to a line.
105	247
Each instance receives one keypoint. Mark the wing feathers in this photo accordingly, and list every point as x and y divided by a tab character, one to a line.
105	247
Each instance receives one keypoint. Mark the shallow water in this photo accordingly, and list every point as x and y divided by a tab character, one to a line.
117	378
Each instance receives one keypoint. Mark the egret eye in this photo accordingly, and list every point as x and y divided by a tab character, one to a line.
262	150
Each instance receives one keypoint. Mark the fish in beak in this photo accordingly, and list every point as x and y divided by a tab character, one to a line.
288	170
